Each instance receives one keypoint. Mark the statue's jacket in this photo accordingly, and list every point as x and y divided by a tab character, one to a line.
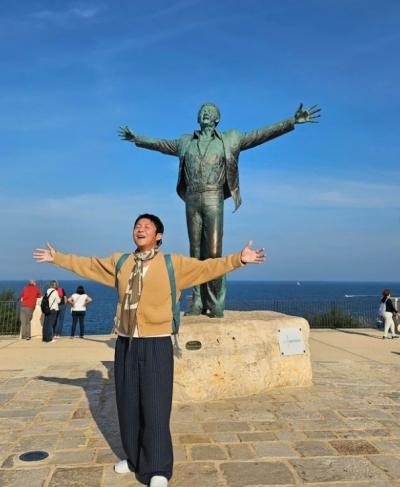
233	143
154	312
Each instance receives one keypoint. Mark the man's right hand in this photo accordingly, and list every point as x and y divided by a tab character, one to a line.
126	134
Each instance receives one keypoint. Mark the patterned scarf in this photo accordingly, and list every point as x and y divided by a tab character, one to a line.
133	292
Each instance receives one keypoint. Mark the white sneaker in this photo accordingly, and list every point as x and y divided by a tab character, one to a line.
52	341
122	467
158	481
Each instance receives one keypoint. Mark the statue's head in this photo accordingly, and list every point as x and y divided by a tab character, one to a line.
208	114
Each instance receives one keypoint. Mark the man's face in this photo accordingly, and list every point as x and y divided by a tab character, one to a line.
145	235
208	116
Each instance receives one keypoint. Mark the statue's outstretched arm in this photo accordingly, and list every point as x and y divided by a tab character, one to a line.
126	134
306	116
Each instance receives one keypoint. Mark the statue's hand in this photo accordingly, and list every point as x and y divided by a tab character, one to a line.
126	134
304	116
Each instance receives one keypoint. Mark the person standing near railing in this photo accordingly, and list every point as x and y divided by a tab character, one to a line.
390	312
29	296
58	327
78	301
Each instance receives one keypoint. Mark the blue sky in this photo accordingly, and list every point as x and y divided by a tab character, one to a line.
323	200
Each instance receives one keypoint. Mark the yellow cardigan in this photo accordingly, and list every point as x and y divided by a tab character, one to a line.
154	313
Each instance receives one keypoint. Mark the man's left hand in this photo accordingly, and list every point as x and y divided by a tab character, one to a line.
249	256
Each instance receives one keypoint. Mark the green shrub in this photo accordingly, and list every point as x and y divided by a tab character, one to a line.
334	318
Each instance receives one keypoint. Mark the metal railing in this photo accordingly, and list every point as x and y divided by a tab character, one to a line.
9	318
347	313
320	314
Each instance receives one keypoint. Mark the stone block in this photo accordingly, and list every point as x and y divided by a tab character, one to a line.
239	356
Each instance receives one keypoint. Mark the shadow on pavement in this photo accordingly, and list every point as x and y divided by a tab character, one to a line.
100	394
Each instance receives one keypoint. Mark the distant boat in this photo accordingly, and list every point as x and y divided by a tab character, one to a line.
298	283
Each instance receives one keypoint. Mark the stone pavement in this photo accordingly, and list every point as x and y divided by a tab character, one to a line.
344	431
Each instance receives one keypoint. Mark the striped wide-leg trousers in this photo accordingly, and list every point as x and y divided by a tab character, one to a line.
144	373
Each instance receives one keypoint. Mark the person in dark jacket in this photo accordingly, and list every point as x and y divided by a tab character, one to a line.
390	312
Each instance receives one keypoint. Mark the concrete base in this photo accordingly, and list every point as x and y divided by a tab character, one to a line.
37	322
239	355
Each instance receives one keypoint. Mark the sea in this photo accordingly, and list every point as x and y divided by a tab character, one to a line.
240	295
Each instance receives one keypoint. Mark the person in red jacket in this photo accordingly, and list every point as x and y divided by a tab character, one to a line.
29	296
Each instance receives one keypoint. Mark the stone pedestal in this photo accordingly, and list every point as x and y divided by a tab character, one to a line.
239	356
37	321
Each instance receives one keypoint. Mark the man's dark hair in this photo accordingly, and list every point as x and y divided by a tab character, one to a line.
80	290
157	222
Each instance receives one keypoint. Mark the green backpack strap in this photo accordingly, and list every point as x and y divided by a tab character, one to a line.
176	308
121	260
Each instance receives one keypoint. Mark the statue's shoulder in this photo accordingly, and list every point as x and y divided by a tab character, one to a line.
186	137
230	134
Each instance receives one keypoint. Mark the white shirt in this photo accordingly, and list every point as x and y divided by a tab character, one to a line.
79	302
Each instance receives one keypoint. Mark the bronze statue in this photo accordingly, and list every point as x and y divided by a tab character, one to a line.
208	174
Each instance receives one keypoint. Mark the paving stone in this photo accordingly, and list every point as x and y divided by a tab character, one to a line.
354	447
36	442
322	424
251	437
76	477
180	453
13	423
375	483
216	415
79	423
320	435
18	413
225	437
182	417
225	426
9	436
191	439
381	433
353	434
244	474
209	452
82	413
254	415
77	441
112	479
52	417
5	448
45	428
192	427
338	469
71	457
197	474
290	435
24	477
314	448
270	426
274	449
389	464
4	398
241	452
300	414
362	424
388	446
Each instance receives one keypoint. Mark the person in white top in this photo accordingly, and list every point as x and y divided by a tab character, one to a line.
79	300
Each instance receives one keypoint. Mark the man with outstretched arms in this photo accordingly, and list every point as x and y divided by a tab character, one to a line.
144	353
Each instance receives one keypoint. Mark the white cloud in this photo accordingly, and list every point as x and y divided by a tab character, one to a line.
67	15
292	190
